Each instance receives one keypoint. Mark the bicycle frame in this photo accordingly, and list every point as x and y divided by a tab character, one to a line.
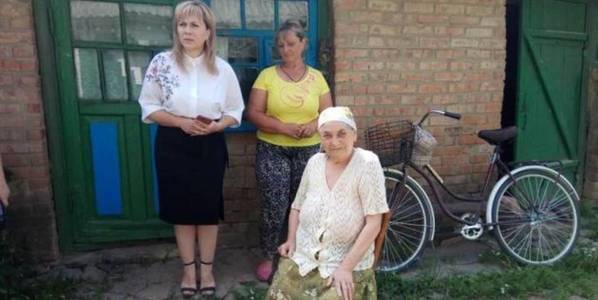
496	164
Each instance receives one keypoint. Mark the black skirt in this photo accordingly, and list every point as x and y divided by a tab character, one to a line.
190	173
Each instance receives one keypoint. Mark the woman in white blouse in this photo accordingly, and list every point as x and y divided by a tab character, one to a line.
334	219
193	96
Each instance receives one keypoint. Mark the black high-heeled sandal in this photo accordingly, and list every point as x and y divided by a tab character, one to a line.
210	290
188	292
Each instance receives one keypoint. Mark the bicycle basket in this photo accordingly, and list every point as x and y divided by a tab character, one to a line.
391	141
423	146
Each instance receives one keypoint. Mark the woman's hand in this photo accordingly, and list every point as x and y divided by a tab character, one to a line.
191	126
309	129
291	129
287	249
211	127
342	280
195	127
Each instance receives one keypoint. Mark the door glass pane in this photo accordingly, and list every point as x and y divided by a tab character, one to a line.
237	49
293	10
88	74
95	21
228	13
148	25
246	78
115	75
138	62
259	14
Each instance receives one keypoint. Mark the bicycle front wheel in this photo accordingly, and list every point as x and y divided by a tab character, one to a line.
410	226
537	216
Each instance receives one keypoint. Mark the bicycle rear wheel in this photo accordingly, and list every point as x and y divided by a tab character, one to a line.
537	216
410	226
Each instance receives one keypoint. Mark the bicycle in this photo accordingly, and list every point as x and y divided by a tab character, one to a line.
532	209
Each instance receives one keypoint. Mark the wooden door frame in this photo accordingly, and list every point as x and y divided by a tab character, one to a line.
44	32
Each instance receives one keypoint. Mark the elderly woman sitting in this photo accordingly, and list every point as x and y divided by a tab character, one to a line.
334	220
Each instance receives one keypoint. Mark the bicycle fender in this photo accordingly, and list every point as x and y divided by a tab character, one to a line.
426	199
513	172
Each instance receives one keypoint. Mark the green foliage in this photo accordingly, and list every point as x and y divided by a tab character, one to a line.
18	278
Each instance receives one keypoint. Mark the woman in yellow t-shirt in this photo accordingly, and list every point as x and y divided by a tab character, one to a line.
284	105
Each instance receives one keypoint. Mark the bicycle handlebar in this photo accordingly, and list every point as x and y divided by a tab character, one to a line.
449	114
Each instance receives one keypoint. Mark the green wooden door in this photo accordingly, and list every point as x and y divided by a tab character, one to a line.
103	48
550	80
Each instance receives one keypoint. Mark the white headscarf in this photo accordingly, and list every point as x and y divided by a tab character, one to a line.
338	113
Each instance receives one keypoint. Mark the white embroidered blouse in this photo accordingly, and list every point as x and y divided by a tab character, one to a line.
331	219
190	92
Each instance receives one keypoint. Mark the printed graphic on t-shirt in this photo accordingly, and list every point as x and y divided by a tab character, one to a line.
294	95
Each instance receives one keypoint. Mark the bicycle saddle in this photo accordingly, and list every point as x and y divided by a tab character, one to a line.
497	136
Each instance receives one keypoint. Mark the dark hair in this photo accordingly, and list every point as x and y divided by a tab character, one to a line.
292	26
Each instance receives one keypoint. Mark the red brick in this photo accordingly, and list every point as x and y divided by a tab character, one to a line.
479	32
349	4
463	87
433	65
465	20
479	10
386	6
401	88
351	53
450	9
432	88
432	18
418	7
23	51
382	30
375	88
416	76
23	22
434	43
448	76
418	30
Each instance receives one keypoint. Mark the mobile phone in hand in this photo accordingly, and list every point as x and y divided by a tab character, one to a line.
203	119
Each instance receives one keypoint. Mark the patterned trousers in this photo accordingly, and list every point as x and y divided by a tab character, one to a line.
278	172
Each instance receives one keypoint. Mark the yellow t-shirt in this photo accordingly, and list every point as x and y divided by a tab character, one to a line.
291	102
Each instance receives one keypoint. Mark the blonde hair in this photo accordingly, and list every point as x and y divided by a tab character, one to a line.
198	9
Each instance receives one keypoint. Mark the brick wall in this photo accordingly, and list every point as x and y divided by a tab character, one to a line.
590	190
241	199
22	133
396	59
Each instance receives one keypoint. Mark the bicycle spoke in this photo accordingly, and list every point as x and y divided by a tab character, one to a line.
537	217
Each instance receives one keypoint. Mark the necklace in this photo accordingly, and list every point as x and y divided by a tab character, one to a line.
290	77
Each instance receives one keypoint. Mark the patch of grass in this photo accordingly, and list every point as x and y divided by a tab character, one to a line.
574	275
18	278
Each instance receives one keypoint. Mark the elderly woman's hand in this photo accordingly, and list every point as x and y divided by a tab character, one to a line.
343	283
287	249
